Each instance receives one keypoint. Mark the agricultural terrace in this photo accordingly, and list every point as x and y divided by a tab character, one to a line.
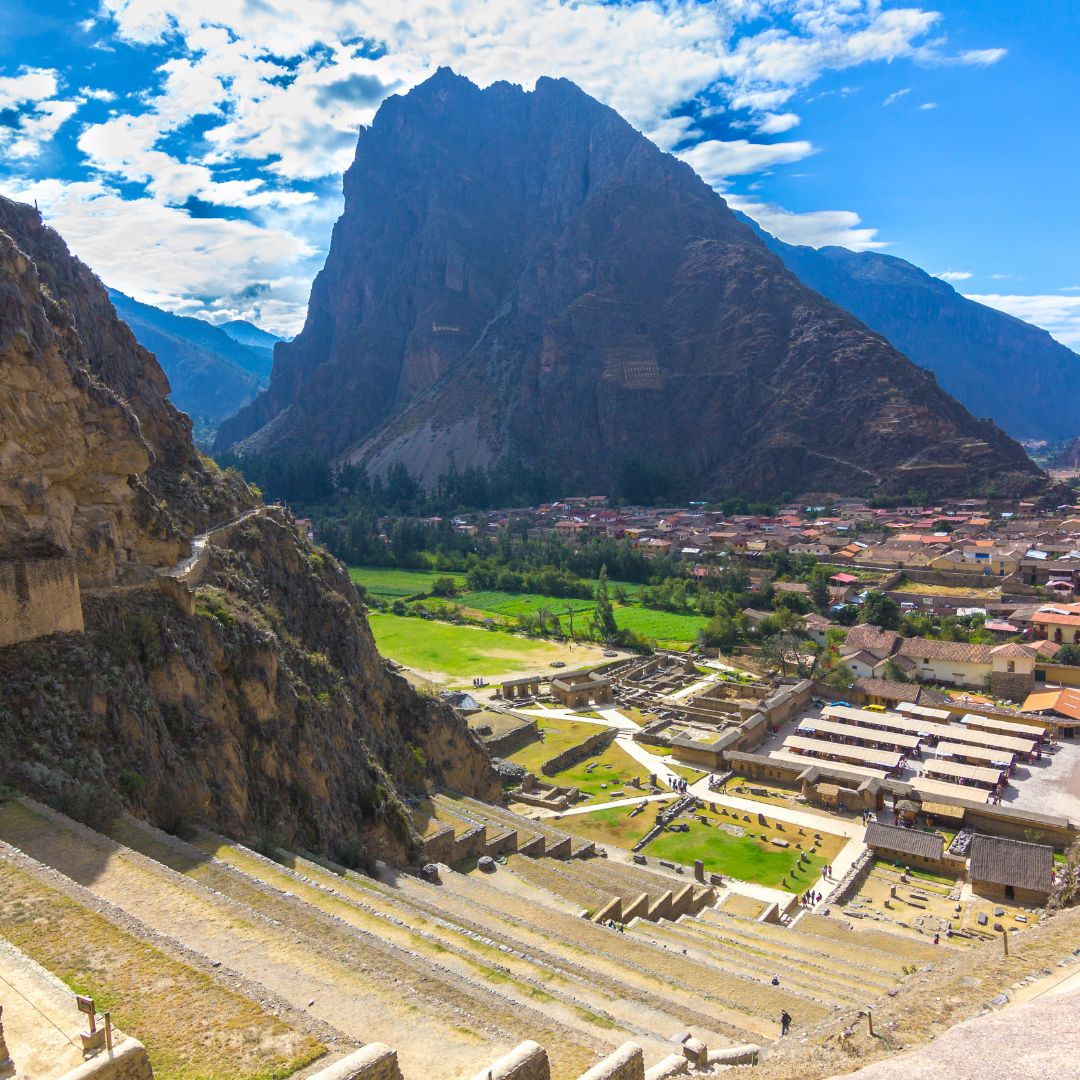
747	847
389	583
451	654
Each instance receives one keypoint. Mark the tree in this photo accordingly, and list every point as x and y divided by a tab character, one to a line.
604	614
881	610
444	586
893	672
840	677
819	587
788	650
1068	654
848	615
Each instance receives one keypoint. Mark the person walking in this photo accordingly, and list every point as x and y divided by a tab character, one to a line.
785	1022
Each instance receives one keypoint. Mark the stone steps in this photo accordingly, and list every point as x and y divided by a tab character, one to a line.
846	949
787	945
361	985
899	949
746	1001
561	879
639	1014
522	976
814	972
735	961
484	814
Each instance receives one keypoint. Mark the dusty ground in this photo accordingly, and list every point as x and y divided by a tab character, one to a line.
938	910
1051	786
958	987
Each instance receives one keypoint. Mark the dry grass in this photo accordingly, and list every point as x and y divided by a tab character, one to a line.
192	1028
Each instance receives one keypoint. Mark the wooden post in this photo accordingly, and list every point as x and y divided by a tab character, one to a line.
870	1021
1005	941
108	1031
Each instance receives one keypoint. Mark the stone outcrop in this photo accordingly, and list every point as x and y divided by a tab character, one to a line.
243	688
522	277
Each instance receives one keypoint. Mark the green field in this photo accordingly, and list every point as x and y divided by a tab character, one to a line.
394	584
458	652
510	604
669	628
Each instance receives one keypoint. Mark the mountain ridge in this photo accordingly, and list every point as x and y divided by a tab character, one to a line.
522	274
995	364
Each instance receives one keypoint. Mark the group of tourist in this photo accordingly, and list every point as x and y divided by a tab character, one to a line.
809	898
678	785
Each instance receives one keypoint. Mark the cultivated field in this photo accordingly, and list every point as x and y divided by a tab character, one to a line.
392	584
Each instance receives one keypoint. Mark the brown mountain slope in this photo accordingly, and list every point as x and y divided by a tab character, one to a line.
522	275
245	688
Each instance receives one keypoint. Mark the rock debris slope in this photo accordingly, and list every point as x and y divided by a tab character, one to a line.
524	276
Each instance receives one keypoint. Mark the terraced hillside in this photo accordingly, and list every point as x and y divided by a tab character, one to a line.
474	964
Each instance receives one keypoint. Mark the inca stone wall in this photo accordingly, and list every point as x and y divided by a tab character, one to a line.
128	1061
38	597
374	1062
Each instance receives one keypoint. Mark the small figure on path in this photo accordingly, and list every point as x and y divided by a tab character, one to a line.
785	1022
776	980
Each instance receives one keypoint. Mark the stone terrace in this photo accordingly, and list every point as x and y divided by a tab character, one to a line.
475	963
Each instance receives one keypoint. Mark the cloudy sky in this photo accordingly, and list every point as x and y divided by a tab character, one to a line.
191	150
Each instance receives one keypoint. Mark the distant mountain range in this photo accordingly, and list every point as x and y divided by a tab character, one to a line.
212	370
996	365
523	277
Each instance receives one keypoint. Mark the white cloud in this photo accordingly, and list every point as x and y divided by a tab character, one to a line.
715	159
928	105
778	123
819	228
1060	315
159	254
954	275
982	57
41	114
285	85
896	95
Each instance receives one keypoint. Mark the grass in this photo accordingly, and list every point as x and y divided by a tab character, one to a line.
511	604
614	767
744	857
193	1028
559	735
670	629
459	651
393	584
614	825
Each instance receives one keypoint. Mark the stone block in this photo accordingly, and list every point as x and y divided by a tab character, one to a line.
696	1052
373	1062
527	1061
626	1063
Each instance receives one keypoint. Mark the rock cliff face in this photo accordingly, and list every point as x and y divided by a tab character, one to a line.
245	689
522	275
997	366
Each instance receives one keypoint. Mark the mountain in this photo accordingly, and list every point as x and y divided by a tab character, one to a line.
166	642
1069	455
211	372
523	277
247	334
996	365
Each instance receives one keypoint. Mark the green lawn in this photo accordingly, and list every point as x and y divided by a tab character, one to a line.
742	857
511	604
394	584
613	825
460	651
559	735
614	767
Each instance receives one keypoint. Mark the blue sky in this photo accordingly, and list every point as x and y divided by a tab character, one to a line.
190	151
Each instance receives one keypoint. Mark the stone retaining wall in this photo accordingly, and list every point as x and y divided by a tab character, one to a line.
528	1061
593	745
38	597
374	1062
511	741
127	1061
626	1063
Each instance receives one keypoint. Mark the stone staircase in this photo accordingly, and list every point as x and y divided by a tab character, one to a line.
475	963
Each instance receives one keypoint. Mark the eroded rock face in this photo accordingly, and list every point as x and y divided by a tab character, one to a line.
249	693
522	275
